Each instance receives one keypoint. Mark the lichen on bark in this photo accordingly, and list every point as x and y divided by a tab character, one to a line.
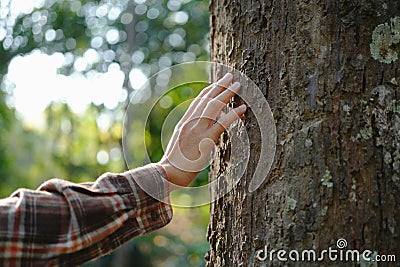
384	38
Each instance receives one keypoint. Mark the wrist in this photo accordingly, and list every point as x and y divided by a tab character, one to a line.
174	175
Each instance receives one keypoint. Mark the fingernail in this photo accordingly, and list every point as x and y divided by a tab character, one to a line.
235	85
242	107
226	76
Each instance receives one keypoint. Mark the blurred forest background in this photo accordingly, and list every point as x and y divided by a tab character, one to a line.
68	69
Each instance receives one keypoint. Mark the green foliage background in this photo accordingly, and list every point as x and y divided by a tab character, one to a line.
152	35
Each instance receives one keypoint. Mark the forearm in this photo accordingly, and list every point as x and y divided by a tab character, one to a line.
67	224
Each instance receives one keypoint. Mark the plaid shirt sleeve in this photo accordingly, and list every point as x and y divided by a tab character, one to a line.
66	224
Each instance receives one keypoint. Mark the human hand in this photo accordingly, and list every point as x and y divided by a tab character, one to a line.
199	129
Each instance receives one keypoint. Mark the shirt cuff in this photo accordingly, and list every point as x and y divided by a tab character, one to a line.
154	208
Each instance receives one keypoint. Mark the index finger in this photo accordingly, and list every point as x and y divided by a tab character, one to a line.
220	85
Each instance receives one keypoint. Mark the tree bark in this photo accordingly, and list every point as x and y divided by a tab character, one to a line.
329	73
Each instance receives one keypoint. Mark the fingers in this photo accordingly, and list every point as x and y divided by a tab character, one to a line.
220	86
225	121
192	107
199	104
195	135
214	106
211	91
228	94
205	108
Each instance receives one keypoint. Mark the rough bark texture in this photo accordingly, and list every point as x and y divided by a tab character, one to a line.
337	112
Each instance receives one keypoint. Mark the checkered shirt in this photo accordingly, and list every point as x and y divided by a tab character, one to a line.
66	224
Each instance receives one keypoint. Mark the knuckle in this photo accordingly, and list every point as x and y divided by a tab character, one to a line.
209	104
204	100
216	103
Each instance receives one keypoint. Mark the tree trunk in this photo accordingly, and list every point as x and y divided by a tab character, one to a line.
329	72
